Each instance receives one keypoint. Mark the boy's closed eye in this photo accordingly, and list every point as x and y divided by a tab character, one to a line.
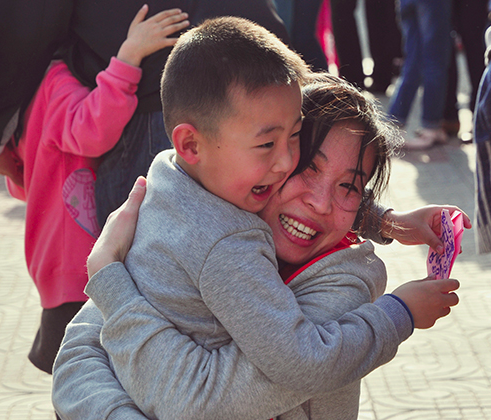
296	134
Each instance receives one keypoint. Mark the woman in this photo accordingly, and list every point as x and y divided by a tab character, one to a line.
328	269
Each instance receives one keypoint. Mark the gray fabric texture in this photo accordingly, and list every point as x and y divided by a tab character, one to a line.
210	269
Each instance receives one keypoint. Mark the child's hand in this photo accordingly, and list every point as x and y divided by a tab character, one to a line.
428	299
148	36
419	226
11	165
118	232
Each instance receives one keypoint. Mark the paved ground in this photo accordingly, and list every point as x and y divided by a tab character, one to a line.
444	372
441	373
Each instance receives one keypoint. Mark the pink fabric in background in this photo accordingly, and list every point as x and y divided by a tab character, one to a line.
324	33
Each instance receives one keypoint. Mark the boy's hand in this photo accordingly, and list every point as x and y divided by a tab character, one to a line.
118	232
148	36
428	299
420	226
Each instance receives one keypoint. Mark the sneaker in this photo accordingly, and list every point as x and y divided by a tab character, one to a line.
466	137
426	138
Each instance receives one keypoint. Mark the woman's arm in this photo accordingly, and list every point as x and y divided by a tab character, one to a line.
414	227
168	375
419	226
171	376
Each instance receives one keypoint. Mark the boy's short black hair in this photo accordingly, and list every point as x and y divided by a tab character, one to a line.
221	53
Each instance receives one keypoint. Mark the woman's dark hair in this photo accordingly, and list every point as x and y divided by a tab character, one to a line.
328	100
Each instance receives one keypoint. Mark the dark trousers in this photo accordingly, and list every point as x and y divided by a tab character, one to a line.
385	40
50	334
383	34
347	41
303	32
469	19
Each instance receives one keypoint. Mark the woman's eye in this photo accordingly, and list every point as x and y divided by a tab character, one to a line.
268	145
350	188
313	167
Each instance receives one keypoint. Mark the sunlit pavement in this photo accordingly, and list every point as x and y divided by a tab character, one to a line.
443	372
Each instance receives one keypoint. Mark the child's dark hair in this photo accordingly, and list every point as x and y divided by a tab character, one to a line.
327	100
207	61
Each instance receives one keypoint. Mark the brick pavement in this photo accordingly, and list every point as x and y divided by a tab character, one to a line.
441	373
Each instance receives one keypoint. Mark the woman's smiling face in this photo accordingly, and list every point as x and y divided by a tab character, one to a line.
315	209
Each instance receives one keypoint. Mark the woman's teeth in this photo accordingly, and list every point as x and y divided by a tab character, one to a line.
296	229
259	190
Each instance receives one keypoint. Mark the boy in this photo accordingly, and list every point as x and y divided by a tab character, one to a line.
234	121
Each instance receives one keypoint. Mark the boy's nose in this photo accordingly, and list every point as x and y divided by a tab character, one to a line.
286	159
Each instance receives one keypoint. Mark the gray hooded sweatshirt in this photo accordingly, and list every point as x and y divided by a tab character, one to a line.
210	269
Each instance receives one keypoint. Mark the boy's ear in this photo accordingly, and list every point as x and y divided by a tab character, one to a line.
185	138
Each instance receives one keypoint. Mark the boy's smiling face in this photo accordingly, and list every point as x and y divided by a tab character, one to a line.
256	147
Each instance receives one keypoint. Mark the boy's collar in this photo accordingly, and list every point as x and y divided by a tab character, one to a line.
179	166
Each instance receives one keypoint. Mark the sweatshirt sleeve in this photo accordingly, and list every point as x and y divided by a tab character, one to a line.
88	122
84	386
168	375
372	224
287	347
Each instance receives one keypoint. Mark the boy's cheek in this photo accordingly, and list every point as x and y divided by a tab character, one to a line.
295	160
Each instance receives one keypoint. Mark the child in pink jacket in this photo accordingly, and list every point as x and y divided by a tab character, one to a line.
67	128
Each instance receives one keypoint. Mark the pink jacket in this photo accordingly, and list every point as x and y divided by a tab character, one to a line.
68	127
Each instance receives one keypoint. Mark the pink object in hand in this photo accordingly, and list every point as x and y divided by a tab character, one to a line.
451	235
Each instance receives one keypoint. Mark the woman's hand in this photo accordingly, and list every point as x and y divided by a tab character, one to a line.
118	232
420	226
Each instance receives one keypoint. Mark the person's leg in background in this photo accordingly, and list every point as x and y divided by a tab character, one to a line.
469	20
347	41
285	12
435	22
410	80
325	36
385	41
304	32
426	31
471	27
482	141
